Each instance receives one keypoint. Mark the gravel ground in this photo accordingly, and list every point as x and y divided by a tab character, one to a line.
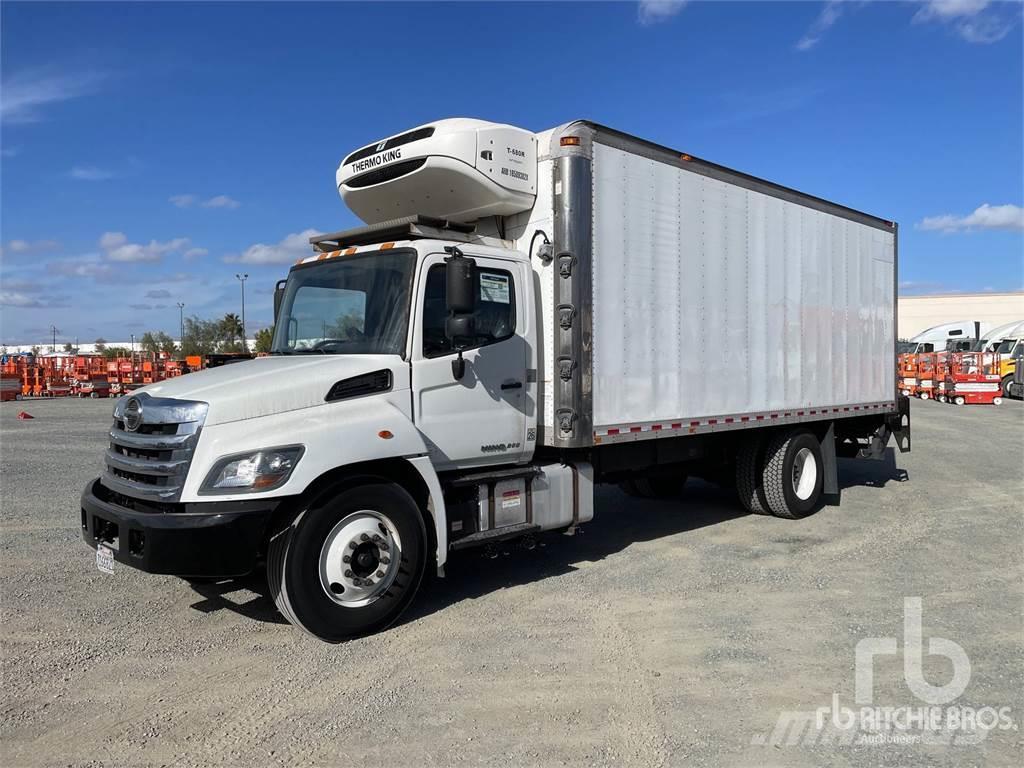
666	633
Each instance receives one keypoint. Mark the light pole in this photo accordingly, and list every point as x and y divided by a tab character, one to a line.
55	331
133	357
181	326
242	278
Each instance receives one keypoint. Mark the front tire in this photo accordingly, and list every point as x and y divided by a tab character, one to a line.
793	475
349	565
1007	381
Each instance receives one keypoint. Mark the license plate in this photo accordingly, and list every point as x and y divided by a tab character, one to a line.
105	559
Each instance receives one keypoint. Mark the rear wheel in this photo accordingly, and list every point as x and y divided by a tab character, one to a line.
350	565
749	464
1007	381
959	400
792	475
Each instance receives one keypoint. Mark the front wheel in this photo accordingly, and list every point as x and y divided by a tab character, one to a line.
1005	386
351	564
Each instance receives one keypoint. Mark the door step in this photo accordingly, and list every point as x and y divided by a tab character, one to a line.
494	535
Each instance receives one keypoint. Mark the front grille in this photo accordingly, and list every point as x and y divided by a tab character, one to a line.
150	463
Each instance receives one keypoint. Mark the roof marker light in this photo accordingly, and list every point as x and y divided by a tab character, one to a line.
570	141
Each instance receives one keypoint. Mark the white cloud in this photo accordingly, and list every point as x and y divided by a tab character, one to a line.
20	300
289	250
221	201
1007	217
24	95
656	11
118	248
194	253
91	173
26	246
829	15
974	20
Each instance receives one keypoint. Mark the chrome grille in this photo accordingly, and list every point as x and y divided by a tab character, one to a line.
150	451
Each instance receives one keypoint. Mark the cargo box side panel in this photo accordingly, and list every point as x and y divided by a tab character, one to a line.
712	298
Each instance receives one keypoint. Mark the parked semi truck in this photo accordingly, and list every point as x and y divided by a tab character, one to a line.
523	316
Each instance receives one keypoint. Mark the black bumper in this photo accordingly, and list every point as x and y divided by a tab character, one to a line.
209	539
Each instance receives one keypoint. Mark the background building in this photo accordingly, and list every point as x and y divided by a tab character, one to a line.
917	313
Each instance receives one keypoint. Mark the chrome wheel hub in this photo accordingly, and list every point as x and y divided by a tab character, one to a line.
360	558
805	473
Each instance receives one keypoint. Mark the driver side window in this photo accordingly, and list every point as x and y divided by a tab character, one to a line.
495	310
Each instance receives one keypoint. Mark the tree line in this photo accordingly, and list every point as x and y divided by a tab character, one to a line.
201	337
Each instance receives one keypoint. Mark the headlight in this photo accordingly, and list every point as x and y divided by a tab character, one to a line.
255	471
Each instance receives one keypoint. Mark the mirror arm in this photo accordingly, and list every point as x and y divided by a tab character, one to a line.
459	367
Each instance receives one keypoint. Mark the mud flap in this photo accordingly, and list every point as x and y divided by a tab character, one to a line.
899	423
830	481
896	425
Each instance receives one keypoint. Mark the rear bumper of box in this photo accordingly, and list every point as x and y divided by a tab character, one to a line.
209	539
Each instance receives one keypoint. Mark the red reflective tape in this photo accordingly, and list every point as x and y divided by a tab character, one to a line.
775	415
613	431
728	421
744	418
799	413
634	429
712	421
656	427
694	423
760	418
677	425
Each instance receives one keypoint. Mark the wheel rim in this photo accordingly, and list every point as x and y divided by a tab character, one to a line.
805	473
360	558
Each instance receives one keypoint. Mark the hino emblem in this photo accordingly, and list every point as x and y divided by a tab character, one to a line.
132	414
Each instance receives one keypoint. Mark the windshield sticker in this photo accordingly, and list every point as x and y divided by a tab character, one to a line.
494	288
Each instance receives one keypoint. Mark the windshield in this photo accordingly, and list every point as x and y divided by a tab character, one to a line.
348	306
1006	346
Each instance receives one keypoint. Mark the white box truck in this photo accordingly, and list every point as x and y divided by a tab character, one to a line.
523	316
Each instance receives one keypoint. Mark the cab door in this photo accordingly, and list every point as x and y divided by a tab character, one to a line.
482	418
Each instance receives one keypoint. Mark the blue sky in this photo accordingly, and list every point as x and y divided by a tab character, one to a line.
150	152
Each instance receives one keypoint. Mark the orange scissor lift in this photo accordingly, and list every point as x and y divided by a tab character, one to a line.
926	375
907	375
941	372
973	378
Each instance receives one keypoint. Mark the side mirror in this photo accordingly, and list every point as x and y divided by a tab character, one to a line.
278	297
460	283
460	301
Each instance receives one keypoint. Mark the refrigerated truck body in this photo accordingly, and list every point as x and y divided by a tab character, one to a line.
523	316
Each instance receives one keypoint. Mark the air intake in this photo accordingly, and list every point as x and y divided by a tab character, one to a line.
357	386
387	173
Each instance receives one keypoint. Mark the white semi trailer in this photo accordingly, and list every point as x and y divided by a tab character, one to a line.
524	315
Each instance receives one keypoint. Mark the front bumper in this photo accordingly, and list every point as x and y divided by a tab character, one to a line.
208	539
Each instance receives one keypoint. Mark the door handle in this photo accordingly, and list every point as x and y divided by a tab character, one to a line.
512	385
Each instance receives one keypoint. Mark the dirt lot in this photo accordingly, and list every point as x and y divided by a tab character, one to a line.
663	634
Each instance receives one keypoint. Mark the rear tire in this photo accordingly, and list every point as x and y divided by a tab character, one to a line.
749	465
793	475
335	599
1007	381
959	400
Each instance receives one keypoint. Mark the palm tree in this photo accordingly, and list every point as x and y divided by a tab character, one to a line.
231	328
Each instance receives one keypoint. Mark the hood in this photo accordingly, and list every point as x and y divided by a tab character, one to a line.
269	385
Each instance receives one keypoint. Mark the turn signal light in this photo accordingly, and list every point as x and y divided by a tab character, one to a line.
386	246
570	141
